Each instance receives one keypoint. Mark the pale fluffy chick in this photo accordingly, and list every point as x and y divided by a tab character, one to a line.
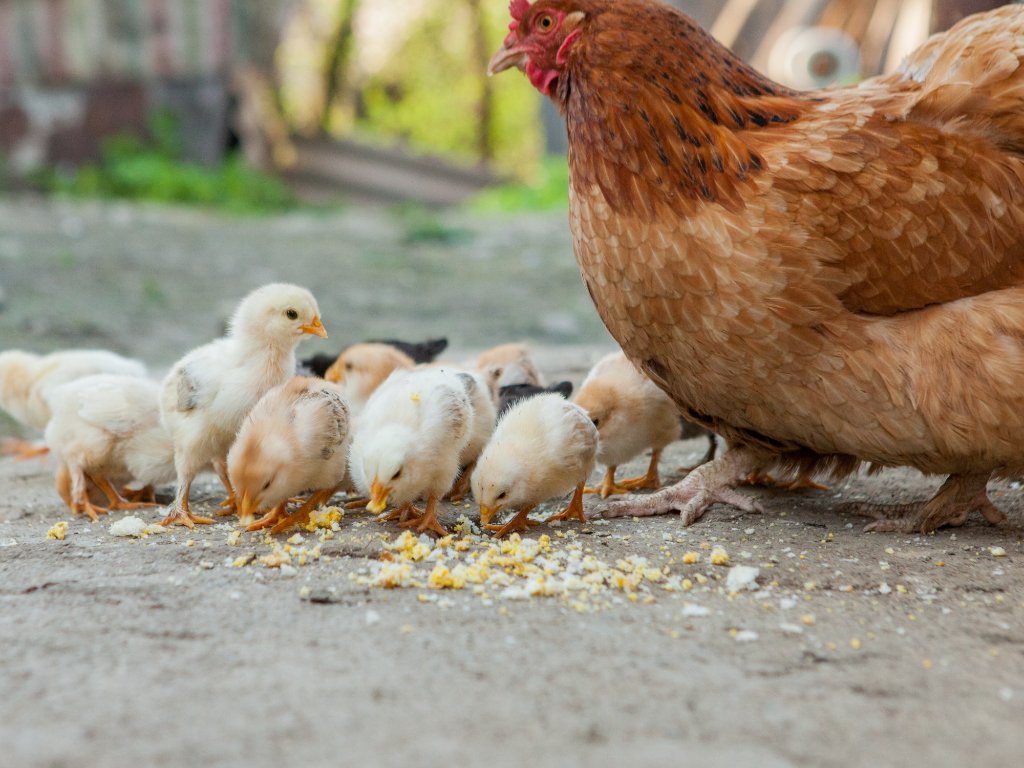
514	361
106	430
408	443
485	414
295	440
631	415
210	391
26	380
543	448
361	368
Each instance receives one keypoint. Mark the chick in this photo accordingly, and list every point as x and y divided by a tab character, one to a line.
209	392
515	362
26	380
361	368
484	414
543	448
294	440
631	415
105	430
420	352
408	443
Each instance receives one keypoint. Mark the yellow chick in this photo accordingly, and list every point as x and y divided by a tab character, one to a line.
361	368
543	448
106	430
209	392
26	380
408	443
294	440
632	415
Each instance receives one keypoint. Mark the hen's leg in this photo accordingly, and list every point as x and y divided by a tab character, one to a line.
519	522
575	509
709	455
180	512
648	481
428	520
955	500
608	486
712	483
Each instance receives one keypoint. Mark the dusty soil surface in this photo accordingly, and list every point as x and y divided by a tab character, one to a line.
851	649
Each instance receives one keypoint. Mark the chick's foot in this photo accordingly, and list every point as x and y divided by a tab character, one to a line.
575	509
23	450
181	514
519	522
951	505
649	481
608	486
711	483
427	521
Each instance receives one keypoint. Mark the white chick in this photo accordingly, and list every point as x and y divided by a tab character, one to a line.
484	416
361	368
514	362
210	391
294	440
26	380
631	415
543	448
106	430
408	443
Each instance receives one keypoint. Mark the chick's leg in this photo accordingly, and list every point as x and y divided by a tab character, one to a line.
712	483
428	520
117	501
273	517
401	514
23	449
461	487
230	505
180	513
520	522
647	481
955	500
146	493
79	493
608	486
301	515
575	509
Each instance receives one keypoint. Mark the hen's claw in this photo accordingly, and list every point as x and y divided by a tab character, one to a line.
711	483
951	505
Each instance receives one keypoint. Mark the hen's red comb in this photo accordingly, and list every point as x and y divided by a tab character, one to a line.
518	7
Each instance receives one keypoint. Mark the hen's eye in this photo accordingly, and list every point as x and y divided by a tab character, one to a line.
291	314
545	22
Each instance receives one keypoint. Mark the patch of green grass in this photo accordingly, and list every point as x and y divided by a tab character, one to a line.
134	170
549	191
422	225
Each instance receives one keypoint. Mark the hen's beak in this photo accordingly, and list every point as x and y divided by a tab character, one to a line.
316	328
486	513
378	497
508	56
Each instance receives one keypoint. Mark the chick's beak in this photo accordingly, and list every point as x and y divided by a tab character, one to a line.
486	513
508	56
247	507
316	328
378	497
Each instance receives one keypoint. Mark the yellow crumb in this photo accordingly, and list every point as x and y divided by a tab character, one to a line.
233	537
690	558
808	619
57	531
719	556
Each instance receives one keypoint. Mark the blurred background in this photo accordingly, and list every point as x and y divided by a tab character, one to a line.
378	101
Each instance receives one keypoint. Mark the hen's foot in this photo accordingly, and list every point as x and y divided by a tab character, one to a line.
711	483
951	505
427	521
575	509
608	486
519	522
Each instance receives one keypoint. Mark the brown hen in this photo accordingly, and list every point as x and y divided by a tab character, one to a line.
824	278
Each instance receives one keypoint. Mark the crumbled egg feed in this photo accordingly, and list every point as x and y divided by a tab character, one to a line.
58	531
325	518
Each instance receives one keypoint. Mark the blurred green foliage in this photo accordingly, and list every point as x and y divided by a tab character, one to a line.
134	169
547	191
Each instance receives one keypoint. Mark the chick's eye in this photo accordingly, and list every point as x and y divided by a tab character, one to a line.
291	314
397	475
348	366
502	495
597	422
545	22
266	485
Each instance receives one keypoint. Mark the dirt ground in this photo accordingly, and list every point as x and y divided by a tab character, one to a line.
851	649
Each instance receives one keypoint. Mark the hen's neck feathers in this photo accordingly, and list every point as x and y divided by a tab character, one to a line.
659	112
